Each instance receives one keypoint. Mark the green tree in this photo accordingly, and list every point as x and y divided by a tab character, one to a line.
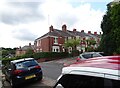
90	43
72	43
110	42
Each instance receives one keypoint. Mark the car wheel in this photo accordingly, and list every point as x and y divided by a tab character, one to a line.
39	78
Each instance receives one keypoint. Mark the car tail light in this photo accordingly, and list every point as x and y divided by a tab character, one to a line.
37	67
78	59
16	72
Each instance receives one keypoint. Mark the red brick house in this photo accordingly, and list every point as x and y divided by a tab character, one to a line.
53	41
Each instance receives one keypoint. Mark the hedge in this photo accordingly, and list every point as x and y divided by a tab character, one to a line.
50	55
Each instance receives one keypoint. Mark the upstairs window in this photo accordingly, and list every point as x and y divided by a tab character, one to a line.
55	40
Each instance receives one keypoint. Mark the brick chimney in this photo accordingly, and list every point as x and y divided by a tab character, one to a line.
74	30
89	32
64	28
82	30
29	44
51	28
95	33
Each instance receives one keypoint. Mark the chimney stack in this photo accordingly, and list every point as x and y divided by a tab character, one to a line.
74	30
95	33
89	32
29	44
82	30
51	28
64	28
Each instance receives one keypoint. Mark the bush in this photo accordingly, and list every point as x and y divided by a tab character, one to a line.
75	53
6	61
50	55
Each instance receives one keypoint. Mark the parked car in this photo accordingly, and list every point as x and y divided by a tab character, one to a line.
87	55
22	70
98	72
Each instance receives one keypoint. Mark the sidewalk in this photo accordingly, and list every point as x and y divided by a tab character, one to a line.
66	61
0	78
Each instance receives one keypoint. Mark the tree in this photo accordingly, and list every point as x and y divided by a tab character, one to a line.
90	44
72	43
110	41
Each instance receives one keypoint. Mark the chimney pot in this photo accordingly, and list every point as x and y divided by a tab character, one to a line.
89	32
51	28
95	33
29	44
74	30
82	30
64	28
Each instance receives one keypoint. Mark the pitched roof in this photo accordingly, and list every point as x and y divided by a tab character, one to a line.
68	33
62	33
77	33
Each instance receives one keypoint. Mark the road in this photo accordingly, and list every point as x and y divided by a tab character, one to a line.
51	71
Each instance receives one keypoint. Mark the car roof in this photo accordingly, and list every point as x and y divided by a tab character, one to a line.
19	60
107	66
91	52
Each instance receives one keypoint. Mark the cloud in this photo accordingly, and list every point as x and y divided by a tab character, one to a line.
24	35
25	20
21	12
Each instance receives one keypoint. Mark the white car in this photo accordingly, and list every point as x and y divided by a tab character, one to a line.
87	55
99	72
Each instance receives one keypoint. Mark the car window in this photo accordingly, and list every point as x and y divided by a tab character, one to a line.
103	54
96	55
80	81
24	64
87	56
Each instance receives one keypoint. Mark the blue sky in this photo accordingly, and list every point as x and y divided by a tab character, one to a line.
22	21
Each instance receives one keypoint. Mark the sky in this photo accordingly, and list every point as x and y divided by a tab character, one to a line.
23	21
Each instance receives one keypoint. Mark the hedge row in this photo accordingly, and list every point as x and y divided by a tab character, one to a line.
48	55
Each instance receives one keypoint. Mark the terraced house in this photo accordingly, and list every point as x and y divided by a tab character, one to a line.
54	40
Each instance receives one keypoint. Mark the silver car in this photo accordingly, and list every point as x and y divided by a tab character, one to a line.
87	55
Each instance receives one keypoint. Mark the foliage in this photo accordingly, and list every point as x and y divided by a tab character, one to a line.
75	53
50	55
72	43
110	42
7	60
91	42
7	51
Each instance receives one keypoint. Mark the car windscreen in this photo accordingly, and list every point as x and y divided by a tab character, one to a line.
87	56
26	64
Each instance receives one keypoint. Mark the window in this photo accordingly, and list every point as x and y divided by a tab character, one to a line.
24	64
87	56
81	81
96	55
55	40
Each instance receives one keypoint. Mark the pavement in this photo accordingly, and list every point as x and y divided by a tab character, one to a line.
66	61
1	78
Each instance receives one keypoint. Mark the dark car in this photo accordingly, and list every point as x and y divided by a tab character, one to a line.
23	70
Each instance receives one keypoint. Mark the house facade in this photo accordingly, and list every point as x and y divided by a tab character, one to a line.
54	40
22	50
